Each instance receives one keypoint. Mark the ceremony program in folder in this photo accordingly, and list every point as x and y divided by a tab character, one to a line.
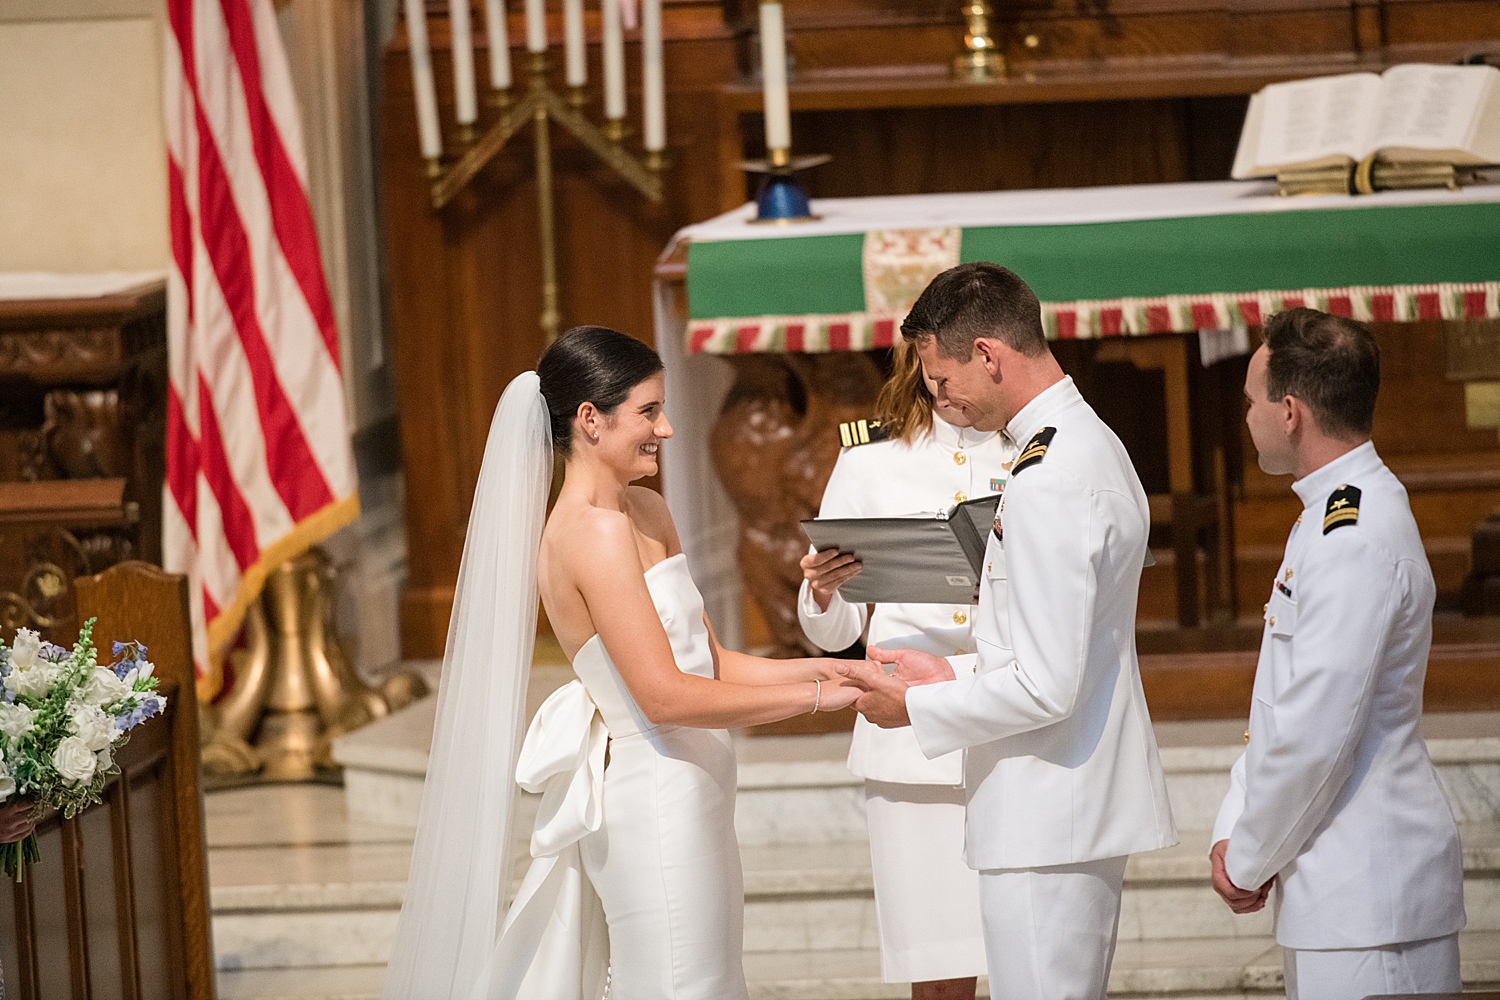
931	558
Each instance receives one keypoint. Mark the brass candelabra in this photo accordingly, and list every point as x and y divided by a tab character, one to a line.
541	107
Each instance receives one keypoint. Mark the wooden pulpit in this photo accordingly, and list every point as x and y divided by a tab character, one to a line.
118	905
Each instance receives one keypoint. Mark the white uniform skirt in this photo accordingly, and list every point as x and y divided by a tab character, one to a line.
926	897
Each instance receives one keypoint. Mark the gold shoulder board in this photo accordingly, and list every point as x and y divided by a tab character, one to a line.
860	432
1035	450
1343	508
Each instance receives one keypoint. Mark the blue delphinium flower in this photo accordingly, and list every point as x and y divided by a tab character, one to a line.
148	706
130	654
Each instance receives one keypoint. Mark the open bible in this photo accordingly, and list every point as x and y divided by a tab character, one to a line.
1419	117
930	558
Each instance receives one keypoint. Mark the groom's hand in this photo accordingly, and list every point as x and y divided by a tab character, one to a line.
884	700
913	666
1239	900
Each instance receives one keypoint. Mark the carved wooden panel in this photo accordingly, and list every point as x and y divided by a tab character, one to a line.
82	401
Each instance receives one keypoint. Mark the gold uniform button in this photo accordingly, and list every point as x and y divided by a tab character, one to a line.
959	617
1288	573
1273	621
1265	607
960	496
989	567
959	458
1247	736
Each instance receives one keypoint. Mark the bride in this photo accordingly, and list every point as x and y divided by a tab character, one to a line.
635	887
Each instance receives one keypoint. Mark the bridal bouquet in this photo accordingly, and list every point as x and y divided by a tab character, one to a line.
62	717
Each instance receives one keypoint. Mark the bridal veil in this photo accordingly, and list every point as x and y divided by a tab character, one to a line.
461	863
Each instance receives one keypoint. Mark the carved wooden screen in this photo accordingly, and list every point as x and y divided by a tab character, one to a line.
118	906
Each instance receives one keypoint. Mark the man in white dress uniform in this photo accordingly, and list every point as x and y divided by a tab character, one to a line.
1061	769
1335	801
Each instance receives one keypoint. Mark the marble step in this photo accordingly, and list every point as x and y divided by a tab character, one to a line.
330	904
1143	970
796	788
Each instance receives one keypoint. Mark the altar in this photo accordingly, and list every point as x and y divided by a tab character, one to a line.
1163	279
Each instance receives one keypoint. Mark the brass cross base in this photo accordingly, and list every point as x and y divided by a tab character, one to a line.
294	689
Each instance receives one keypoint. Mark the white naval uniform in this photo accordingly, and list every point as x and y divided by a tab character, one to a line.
1062	774
1335	796
926	898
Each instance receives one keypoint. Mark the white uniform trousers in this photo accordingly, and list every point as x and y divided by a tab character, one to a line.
926	897
1429	966
1049	933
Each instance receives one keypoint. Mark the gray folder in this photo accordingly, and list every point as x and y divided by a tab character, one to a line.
915	559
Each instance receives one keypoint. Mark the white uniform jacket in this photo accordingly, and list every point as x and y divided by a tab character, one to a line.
884	479
1335	795
1061	766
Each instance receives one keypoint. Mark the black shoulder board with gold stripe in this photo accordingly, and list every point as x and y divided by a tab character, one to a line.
860	432
1034	452
1343	508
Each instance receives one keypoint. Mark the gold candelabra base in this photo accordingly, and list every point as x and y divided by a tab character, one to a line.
294	688
542	107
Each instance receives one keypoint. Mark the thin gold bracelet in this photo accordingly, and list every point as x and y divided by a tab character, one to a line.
817	699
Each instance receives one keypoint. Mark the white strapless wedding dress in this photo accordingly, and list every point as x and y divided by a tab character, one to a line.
635	877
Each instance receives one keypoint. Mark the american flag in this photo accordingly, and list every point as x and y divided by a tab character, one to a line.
259	464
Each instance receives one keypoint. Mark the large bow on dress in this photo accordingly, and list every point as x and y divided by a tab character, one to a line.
554	944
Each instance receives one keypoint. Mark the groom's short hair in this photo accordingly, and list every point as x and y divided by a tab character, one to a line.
977	300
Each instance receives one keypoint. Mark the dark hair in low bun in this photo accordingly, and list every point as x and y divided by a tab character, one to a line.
590	364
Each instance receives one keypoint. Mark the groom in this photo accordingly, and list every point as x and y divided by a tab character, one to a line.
1062	775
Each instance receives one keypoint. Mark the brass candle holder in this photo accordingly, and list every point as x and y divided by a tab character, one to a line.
981	59
541	107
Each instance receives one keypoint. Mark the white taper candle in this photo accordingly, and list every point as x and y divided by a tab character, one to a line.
421	79
653	85
614	62
536	25
499	36
575	51
462	49
773	71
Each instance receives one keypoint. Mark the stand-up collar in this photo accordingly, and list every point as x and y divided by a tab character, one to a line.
953	438
1314	487
1047	404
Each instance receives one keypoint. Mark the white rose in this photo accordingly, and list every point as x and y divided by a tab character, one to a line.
15	720
7	787
104	758
73	760
25	652
93	726
103	687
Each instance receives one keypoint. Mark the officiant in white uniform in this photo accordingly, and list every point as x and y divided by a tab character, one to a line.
918	455
1335	802
1062	775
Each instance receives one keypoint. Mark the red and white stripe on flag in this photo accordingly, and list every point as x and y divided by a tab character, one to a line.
259	463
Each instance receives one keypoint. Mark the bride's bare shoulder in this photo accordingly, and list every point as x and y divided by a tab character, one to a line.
581	534
649	510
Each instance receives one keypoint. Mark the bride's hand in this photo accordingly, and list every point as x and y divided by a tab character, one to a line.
837	694
826	668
